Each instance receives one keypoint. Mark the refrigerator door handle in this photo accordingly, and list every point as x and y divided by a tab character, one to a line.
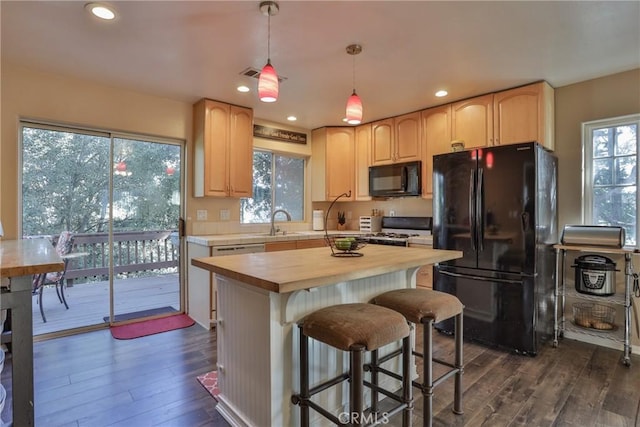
480	209
481	278
472	209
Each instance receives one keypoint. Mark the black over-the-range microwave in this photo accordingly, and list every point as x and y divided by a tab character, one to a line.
395	180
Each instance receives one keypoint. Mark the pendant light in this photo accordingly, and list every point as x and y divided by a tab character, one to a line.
268	80
354	104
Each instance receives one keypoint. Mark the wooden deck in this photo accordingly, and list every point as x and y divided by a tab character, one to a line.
89	302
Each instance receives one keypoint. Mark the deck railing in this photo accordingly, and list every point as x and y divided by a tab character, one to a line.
133	252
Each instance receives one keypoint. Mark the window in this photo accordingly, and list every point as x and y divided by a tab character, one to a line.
610	181
278	183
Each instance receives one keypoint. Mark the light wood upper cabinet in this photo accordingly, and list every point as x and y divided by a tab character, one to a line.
436	139
407	137
223	141
363	161
333	158
396	139
472	121
241	152
382	141
340	163
524	114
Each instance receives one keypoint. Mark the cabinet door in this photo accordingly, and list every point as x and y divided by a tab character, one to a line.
522	114
472	121
382	142
240	152
279	246
340	162
363	161
311	243
216	137
407	137
424	277
436	139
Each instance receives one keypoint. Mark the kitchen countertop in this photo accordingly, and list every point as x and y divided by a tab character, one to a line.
249	238
288	271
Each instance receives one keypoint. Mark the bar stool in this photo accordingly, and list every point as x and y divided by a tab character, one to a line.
424	306
355	328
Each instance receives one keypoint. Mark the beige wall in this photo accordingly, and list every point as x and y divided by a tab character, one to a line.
606	97
49	97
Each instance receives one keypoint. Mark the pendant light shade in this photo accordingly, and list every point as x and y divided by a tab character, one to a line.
268	80
354	109
268	84
354	103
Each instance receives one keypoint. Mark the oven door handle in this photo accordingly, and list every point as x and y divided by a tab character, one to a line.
481	278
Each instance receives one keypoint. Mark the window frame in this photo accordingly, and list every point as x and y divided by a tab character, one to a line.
587	164
273	154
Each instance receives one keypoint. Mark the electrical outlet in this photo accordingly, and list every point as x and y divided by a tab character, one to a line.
348	214
392	212
224	215
201	214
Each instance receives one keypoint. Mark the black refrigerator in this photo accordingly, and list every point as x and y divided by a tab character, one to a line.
498	206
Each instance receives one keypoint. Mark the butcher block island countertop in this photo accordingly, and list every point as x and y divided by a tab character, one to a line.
261	297
288	271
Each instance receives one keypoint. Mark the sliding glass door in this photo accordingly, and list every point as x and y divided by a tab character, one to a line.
120	198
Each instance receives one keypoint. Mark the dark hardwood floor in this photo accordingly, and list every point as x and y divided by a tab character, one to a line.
95	380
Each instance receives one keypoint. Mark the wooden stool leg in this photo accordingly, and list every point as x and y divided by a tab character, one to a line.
457	401
427	373
356	387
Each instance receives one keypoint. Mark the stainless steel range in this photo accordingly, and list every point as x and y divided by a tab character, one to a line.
396	230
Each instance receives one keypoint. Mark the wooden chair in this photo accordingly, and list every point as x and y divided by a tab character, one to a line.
63	248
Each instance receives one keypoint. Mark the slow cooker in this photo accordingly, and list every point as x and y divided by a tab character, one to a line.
595	275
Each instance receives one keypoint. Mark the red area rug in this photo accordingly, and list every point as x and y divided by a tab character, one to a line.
150	327
210	382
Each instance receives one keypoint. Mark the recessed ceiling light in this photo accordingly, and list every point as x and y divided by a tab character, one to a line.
292	118
441	93
243	88
101	10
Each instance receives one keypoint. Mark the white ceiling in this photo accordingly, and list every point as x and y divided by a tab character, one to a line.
188	50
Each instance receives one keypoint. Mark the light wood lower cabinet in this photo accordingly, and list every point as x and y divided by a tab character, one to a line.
294	244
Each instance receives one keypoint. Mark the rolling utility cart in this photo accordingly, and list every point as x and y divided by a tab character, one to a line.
594	313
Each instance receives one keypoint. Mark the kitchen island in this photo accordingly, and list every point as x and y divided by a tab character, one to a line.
261	296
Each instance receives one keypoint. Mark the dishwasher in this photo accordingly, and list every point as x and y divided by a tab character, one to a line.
202	289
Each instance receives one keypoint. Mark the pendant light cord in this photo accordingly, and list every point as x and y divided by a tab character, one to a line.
354	73
269	35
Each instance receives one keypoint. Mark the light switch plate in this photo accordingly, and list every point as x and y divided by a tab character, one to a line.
224	215
201	214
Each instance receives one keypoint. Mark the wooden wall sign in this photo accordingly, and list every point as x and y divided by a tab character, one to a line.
279	134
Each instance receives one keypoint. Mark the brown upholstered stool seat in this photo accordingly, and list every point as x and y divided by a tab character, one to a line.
342	326
416	304
355	328
425	307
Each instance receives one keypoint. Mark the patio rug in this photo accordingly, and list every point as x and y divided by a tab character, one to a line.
210	382
150	327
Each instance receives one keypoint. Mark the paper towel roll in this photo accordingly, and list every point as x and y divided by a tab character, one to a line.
318	220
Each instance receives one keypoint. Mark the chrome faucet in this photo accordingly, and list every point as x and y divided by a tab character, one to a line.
273	215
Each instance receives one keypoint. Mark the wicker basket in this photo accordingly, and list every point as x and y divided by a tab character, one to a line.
594	316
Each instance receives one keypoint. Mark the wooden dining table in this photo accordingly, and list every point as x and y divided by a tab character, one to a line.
19	261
